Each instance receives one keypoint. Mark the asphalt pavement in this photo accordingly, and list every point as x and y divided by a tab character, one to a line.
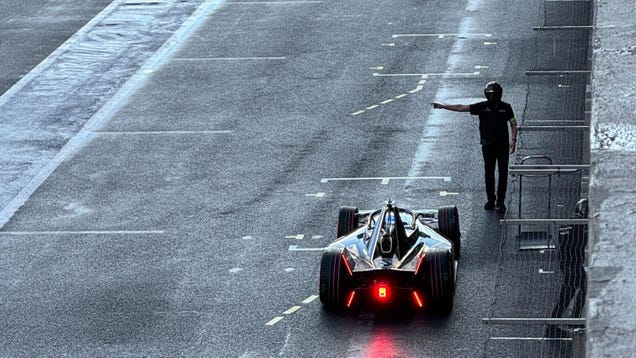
187	214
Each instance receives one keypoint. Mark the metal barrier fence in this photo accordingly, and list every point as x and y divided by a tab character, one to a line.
538	305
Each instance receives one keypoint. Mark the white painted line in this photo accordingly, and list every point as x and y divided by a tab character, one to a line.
416	89
489	43
542	271
296	237
356	113
272	2
317	195
481	67
310	299
447	193
373	107
89	232
528	339
292	310
385	181
379	68
162	132
390	44
387	101
274	320
476	73
296	248
443	35
401	96
229	58
326	180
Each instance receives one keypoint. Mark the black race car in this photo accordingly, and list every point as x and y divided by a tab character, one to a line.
390	257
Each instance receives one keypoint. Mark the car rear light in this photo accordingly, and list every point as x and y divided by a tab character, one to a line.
350	298
419	263
418	300
344	259
382	292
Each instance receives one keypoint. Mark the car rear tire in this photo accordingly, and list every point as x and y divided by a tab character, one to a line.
448	219
347	220
440	287
332	286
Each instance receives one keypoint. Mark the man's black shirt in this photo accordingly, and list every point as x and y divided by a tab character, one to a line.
493	121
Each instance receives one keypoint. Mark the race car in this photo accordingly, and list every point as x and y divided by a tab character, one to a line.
391	257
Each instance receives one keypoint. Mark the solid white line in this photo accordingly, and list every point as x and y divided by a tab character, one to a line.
162	132
374	106
325	180
441	35
296	248
88	232
356	113
228	58
401	96
528	339
271	2
387	101
476	73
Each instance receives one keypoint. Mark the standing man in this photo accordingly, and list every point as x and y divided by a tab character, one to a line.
494	115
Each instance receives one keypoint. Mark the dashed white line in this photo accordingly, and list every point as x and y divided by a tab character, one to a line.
310	299
274	320
292	310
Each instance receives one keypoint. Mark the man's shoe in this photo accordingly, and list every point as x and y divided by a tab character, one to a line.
500	207
490	205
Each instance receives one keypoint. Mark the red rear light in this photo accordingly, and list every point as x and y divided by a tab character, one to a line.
344	259
418	299
350	298
419	263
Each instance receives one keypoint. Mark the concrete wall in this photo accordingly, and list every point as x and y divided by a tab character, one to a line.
611	316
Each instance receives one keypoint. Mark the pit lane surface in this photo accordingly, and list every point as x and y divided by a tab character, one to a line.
187	225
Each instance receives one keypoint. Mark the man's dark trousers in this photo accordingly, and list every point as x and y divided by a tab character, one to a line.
496	155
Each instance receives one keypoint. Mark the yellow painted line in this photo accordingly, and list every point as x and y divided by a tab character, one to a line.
274	320
297	237
310	299
401	96
356	113
292	310
387	101
373	107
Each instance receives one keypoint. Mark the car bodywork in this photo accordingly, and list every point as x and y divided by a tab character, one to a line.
388	255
